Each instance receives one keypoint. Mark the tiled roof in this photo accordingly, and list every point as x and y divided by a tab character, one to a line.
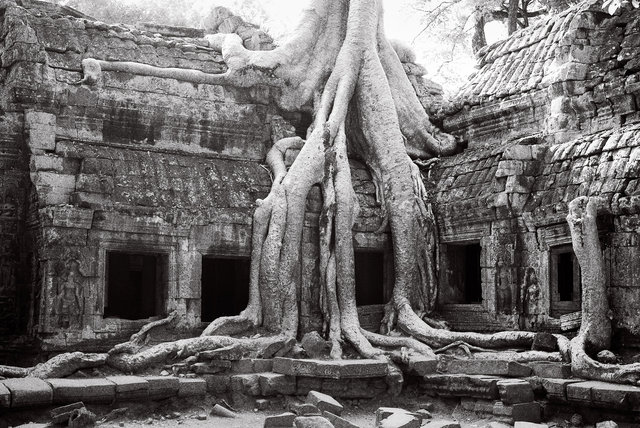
605	164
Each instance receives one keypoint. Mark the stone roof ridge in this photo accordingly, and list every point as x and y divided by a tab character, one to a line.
521	62
218	20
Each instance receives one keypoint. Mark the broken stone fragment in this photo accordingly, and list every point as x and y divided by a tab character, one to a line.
337	421
222	412
324	402
63	414
513	391
442	424
607	424
312	422
399	420
282	420
82	418
529	425
304	409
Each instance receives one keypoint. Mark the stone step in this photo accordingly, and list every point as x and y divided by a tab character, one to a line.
26	392
332	369
487	368
603	394
462	385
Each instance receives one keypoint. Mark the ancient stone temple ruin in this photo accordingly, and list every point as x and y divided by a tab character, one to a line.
127	196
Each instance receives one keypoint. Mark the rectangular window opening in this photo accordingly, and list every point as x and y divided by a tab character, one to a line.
225	286
135	285
369	273
463	272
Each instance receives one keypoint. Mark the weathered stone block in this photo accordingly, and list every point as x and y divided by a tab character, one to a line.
459	385
248	384
217	384
5	397
130	387
514	391
421	365
529	412
385	412
557	388
98	390
275	383
324	402
337	421
162	386
312	422
283	420
67	390
489	368
192	387
46	163
330	368
29	391
551	369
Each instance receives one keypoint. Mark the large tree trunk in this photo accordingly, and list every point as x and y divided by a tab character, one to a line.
595	330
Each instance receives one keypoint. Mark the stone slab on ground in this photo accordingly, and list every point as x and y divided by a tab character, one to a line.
130	387
399	420
162	386
276	383
460	385
528	412
488	368
312	422
5	397
556	389
283	420
324	402
337	421
514	391
29	391
442	424
604	394
190	387
340	369
549	369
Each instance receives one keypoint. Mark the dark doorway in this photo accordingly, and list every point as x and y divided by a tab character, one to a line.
135	286
565	281
463	274
369	271
225	286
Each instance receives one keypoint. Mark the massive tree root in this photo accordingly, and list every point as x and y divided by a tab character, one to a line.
595	330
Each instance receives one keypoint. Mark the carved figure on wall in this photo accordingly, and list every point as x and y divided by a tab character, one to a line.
69	303
503	291
531	298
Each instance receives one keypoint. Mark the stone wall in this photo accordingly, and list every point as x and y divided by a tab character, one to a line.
137	164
